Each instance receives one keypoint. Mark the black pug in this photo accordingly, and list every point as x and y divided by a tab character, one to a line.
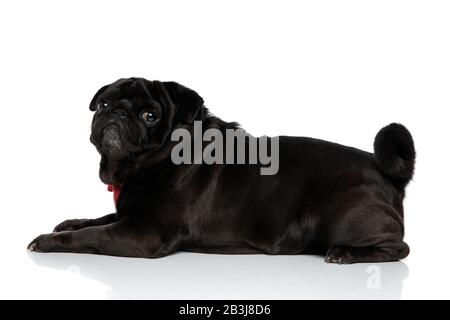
325	199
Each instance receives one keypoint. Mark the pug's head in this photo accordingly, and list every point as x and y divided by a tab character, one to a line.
133	121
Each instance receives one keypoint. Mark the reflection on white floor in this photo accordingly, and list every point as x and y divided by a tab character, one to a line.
202	276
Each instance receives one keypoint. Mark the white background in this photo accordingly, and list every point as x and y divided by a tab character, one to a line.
337	70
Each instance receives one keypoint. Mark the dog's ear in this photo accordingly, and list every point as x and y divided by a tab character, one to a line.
93	104
187	101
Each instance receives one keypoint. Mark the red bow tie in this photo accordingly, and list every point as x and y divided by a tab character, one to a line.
116	189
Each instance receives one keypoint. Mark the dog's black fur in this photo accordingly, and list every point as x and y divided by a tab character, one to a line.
326	198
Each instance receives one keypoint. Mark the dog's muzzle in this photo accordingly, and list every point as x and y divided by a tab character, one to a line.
111	141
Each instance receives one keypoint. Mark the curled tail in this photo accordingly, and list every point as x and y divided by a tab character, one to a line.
394	153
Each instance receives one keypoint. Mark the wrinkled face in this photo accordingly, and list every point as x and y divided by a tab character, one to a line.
133	120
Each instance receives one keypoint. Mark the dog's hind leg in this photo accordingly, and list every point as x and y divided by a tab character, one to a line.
382	253
367	233
77	224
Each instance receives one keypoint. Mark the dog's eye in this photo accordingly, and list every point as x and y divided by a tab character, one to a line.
102	105
149	117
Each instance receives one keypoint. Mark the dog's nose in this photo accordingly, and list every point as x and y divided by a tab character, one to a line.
111	138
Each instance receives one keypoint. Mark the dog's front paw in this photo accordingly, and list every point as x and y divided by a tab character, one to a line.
46	242
339	255
70	225
34	245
